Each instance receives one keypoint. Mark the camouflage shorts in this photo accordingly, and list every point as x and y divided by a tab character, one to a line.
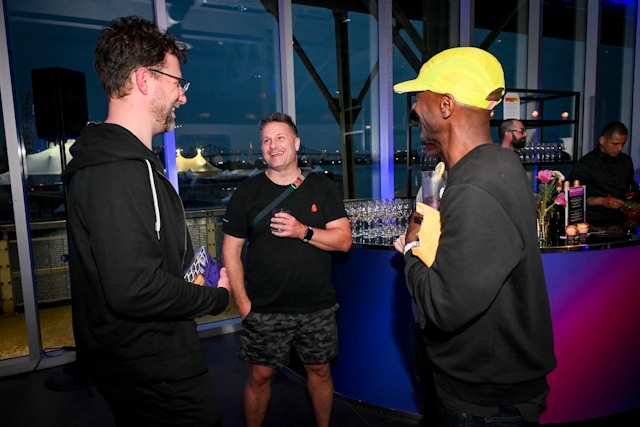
266	338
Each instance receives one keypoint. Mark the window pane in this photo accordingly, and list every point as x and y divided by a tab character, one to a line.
421	30
562	65
13	327
501	27
615	64
334	63
233	65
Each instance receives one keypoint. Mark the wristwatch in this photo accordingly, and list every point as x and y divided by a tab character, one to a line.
308	234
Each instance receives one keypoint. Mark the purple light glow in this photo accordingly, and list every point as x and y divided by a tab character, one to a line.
594	306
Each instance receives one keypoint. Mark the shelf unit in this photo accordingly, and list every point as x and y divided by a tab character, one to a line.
539	98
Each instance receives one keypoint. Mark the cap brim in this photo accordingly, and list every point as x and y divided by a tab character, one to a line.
409	86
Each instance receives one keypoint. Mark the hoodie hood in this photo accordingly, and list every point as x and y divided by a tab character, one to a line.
104	143
107	143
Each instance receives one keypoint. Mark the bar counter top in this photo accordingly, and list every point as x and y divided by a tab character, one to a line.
595	240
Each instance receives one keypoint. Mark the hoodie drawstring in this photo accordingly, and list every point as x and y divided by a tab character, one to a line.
155	198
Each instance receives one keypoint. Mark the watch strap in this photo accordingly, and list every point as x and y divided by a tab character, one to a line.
411	245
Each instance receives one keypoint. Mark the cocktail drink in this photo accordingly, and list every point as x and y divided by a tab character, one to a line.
433	185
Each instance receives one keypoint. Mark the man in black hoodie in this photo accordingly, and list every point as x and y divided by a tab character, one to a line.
483	300
129	245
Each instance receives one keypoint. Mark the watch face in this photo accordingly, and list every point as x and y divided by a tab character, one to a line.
308	235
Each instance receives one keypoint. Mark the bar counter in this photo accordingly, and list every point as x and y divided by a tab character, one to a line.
594	292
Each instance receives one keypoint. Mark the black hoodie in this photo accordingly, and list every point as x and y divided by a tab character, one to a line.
484	299
128	241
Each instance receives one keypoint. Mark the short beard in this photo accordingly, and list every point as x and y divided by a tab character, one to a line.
519	143
169	122
164	119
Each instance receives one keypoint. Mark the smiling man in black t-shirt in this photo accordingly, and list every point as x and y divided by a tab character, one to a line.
288	298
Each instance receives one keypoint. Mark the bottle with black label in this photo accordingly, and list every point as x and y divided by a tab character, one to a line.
556	222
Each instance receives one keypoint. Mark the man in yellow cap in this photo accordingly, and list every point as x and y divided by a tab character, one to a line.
483	301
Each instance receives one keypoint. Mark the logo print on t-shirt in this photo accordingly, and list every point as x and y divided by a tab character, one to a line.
314	208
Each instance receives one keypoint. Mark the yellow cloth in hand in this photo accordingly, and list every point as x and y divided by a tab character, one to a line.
429	234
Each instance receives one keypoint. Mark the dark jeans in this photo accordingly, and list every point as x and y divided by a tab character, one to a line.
424	375
507	416
189	402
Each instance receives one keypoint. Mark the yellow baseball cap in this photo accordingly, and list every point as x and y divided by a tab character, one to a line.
468	73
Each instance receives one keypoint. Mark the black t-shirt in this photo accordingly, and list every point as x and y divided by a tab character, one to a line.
285	275
604	176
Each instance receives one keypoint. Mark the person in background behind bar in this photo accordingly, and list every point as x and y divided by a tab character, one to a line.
608	174
512	134
483	301
288	299
129	245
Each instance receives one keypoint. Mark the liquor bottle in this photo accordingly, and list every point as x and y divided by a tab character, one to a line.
556	226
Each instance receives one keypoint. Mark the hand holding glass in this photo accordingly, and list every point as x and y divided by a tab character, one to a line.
273	217
433	184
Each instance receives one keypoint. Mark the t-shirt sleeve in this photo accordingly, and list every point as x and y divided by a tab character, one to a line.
334	204
235	221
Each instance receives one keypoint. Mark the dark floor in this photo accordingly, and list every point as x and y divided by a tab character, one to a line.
26	402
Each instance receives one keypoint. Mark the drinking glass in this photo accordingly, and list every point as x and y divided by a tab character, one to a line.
273	214
433	185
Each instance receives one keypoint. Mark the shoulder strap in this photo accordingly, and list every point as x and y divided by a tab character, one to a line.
294	186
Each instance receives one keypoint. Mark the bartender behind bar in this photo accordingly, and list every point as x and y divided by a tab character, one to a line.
608	175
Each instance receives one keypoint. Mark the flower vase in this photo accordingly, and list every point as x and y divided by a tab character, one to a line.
543	230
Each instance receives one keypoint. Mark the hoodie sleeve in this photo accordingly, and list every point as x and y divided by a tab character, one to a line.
479	247
129	259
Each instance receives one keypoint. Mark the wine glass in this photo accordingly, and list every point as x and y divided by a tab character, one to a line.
422	152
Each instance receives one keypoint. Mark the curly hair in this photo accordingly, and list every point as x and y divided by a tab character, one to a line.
129	43
278	117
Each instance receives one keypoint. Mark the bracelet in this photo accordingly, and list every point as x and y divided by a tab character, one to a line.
408	246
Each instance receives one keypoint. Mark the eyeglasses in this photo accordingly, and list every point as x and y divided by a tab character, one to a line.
184	83
523	130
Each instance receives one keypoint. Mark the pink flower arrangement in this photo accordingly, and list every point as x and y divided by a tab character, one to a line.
548	179
546	175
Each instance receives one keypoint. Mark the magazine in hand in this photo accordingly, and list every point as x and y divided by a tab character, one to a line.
198	265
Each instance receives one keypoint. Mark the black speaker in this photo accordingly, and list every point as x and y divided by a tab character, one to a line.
60	103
